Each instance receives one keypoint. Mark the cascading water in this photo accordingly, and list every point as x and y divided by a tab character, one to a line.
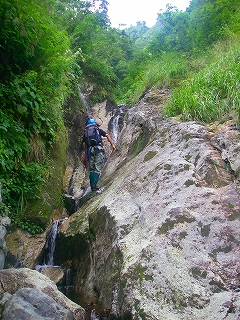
115	124
84	101
66	285
50	244
115	128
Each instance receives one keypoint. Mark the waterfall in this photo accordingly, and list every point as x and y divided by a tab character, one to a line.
51	242
84	101
115	128
115	123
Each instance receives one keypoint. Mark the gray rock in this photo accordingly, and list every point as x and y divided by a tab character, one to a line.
15	279
161	241
32	304
3	249
165	231
5	221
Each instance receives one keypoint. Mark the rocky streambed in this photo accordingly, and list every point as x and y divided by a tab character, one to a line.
161	241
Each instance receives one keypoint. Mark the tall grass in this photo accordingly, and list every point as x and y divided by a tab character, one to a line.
212	93
164	72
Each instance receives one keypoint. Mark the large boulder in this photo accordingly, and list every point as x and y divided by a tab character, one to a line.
13	280
32	304
164	233
24	248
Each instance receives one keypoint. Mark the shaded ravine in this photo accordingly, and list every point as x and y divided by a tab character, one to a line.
66	284
94	310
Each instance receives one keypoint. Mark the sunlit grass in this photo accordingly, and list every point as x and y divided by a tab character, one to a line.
204	89
164	72
212	93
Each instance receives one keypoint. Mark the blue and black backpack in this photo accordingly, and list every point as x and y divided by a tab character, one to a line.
92	134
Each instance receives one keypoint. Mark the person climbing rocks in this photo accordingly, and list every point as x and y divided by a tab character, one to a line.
94	149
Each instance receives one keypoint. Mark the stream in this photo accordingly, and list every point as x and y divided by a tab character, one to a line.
93	311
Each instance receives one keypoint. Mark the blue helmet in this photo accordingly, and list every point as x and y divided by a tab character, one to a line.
91	121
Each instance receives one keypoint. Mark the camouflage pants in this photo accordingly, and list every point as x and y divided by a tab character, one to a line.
96	159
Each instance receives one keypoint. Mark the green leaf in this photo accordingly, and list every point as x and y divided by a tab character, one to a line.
22	109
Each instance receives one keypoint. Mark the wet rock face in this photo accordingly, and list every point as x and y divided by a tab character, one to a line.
172	249
23	248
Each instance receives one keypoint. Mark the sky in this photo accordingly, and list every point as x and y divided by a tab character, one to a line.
130	11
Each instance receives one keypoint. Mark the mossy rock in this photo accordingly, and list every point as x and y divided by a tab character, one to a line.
140	143
50	196
150	155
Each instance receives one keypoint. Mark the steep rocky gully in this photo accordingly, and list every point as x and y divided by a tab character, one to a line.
161	241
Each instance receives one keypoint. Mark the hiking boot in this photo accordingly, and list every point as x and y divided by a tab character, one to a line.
94	188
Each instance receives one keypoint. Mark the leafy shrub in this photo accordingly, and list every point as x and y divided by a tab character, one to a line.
22	184
4	209
26	225
35	67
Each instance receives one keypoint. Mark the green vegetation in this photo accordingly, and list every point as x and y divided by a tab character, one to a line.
196	54
50	48
170	223
140	142
149	155
167	166
189	183
212	93
163	71
35	60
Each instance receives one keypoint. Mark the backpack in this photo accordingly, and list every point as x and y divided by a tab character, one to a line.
93	135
